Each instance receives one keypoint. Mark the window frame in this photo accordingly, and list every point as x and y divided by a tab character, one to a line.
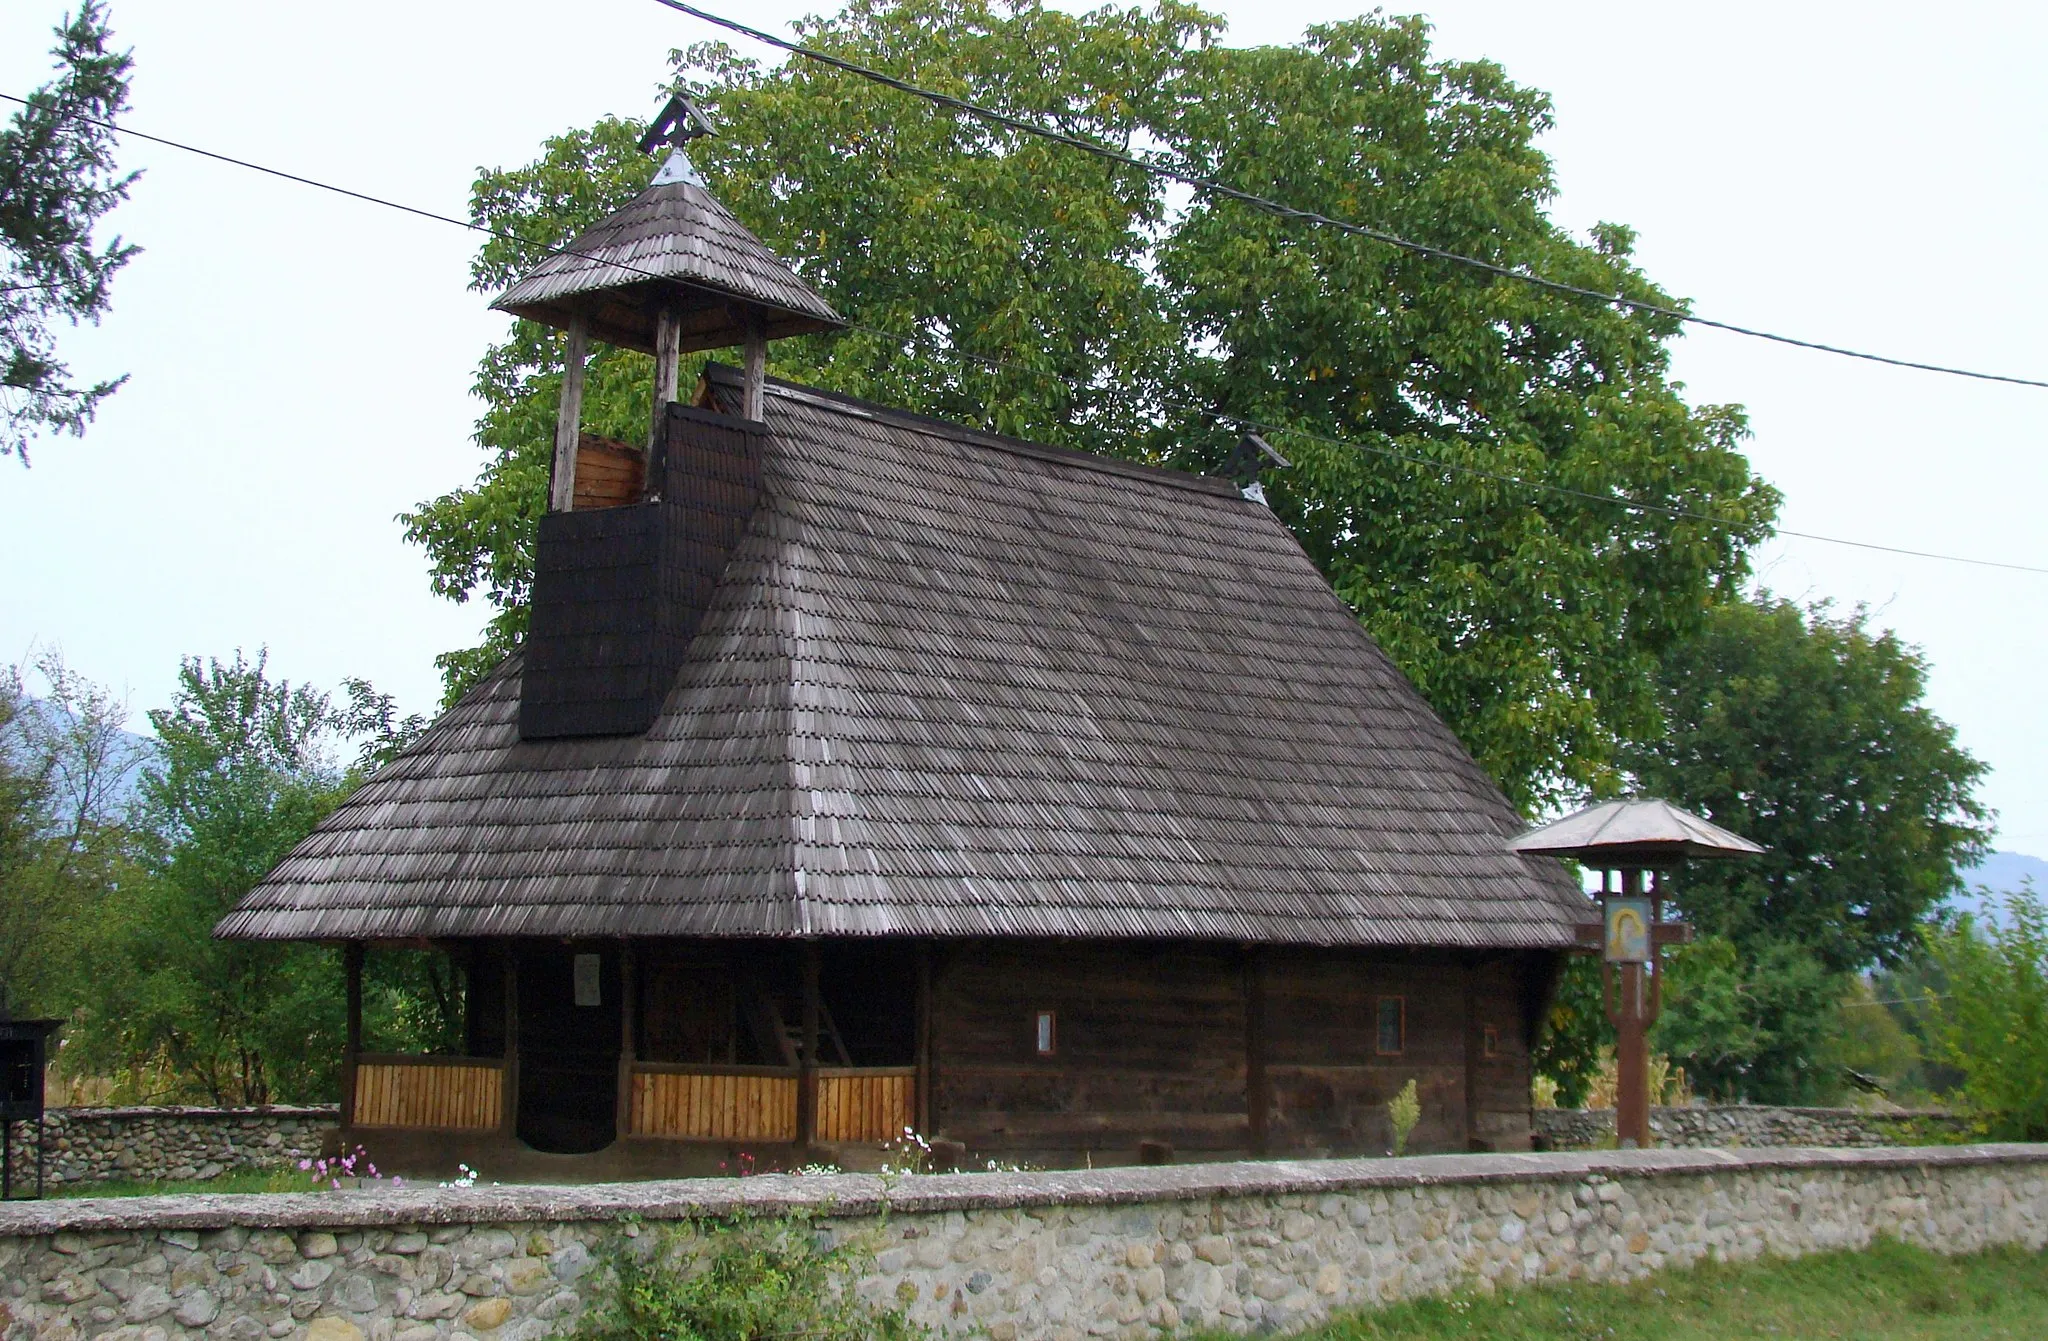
1045	1032
1379	1027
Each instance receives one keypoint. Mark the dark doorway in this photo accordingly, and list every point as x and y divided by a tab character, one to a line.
568	1047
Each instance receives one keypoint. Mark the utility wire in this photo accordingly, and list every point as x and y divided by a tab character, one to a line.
1210	186
901	338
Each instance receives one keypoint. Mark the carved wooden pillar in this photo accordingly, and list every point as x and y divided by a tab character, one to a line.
569	417
807	1085
511	1073
626	1012
352	1037
1258	1088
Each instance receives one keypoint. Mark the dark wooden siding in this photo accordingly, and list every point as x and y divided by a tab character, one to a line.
1152	1045
1502	999
1330	1081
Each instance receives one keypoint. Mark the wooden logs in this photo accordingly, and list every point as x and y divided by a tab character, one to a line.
569	417
668	337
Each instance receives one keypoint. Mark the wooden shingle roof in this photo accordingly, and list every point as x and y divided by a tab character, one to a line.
957	685
674	244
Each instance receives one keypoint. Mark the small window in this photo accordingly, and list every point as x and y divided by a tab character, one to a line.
1490	1041
586	981
1047	1037
1393	1026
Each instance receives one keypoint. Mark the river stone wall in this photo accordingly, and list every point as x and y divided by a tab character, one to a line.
89	1145
1748	1125
1131	1252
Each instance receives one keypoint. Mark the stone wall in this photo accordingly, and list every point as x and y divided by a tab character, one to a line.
89	1145
1745	1125
1131	1252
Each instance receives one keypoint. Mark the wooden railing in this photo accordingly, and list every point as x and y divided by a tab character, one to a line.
428	1093
868	1103
713	1103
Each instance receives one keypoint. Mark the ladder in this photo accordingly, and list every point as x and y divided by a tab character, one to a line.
780	1036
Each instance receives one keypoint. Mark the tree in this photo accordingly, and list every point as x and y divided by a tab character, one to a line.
1992	1022
57	180
245	766
1007	282
1805	731
1754	1025
66	765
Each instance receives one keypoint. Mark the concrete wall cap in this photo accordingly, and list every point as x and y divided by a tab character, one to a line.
865	1194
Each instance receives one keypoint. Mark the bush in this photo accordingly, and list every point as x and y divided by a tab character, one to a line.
1992	1023
737	1279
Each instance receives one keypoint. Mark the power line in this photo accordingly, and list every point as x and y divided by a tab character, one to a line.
902	338
1210	186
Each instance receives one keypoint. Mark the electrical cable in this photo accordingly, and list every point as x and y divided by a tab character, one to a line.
1210	186
901	338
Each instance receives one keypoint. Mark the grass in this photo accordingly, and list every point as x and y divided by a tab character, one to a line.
1889	1292
235	1180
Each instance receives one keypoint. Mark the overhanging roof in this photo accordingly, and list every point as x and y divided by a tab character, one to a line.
1643	830
957	685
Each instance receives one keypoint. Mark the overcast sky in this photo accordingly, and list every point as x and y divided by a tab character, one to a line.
1867	175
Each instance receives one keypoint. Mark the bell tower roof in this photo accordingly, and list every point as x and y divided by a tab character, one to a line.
673	247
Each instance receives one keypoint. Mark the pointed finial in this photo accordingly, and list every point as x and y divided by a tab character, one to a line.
1252	455
677	123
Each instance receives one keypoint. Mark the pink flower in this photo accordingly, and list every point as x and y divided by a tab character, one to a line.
305	1164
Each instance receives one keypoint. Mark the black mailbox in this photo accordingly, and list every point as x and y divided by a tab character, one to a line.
24	1048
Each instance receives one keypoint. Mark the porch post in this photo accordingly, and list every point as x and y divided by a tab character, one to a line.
1258	1090
807	1083
510	1102
352	1038
1474	1049
626	998
923	1106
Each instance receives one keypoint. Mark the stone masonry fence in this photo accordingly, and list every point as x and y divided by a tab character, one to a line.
90	1145
1130	1253
1738	1126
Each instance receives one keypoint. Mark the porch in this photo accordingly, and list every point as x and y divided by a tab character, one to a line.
668	1056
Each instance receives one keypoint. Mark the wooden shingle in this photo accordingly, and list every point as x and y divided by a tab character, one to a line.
955	685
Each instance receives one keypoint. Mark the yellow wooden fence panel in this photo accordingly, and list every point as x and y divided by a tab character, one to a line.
869	1104
714	1106
445	1096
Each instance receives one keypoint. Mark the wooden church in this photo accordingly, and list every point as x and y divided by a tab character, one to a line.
863	772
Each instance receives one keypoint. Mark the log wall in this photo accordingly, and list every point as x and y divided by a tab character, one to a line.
1149	1046
1153	1045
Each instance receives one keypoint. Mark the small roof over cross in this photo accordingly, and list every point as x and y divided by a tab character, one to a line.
1642	832
675	248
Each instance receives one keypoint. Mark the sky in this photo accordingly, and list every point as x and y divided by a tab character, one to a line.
1870	176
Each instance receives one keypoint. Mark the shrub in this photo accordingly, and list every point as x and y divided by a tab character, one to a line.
736	1279
1404	1111
1992	1023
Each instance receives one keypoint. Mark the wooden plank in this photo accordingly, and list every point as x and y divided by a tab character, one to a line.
445	1097
569	416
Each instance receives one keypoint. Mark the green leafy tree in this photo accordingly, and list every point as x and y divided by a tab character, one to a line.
58	178
1006	282
1752	1024
66	765
1574	1031
1805	731
1991	1023
245	766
